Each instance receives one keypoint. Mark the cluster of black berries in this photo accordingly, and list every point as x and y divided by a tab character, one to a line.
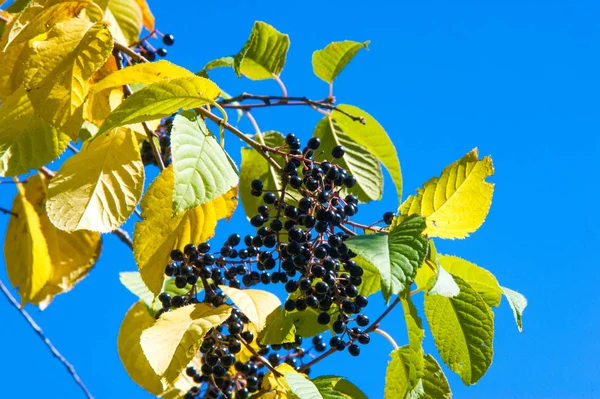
163	132
300	242
148	51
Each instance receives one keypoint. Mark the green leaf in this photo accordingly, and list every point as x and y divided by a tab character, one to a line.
254	166
517	303
332	387
397	255
26	141
134	283
302	386
329	62
161	99
456	203
443	284
306	321
358	161
203	170
218	63
374	138
98	188
463	331
371	277
477	277
263	55
434	382
255	304
400	378
173	341
279	328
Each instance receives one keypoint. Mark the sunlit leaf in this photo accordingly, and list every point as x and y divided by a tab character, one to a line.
301	386
203	170
173	341
279	328
264	53
463	331
160	232
434	382
358	160
26	141
397	255
374	138
98	188
332	387
517	303
329	62
161	99
456	203
147	17
255	304
58	68
125	20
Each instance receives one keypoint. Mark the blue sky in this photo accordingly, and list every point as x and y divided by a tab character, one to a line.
519	80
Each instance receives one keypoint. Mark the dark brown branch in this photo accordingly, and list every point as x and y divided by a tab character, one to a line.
7	212
271	101
46	341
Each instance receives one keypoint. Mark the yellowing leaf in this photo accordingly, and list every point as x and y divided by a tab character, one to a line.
278	385
160	232
98	188
175	338
72	255
255	304
25	250
456	203
59	66
147	17
125	20
26	141
246	354
161	99
137	366
144	74
301	386
478	278
329	62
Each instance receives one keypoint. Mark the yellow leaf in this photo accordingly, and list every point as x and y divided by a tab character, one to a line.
137	366
160	232
145	73
175	338
59	66
277	386
246	354
99	105
147	17
255	304
456	203
72	255
26	142
98	188
125	20
25	250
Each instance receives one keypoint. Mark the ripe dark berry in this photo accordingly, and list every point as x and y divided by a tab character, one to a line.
274	359
290	138
349	181
190	371
321	287
321	227
177	255
150	55
180	282
242	393
290	305
334	342
351	291
323	197
170	269
168	39
190	249
234	240
161	52
257	221
364	339
338	151
321	346
257	185
339	327
295	182
361	301
313	143
354	350
362	320
219	371
388	217
269	198
311	184
204	247
323	318
295	145
296	234
208	259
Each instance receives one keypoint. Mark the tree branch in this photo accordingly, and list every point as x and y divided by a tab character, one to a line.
129	52
45	339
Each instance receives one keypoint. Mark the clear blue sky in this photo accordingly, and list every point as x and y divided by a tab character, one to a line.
520	80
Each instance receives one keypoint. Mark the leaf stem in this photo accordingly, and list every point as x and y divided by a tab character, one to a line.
387	336
280	83
46	341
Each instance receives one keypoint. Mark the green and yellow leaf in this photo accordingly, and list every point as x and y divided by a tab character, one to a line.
301	386
203	170
517	303
279	328
263	55
257	305
125	20
463	331
147	17
173	341
329	62
26	141
332	387
98	188
456	203
160	232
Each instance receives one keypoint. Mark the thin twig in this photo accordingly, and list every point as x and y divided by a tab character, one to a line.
240	135
129	52
123	235
260	357
387	336
49	344
7	212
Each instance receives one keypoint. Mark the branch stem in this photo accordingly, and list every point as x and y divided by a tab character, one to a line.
387	336
46	341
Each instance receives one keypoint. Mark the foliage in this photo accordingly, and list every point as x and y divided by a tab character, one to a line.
78	71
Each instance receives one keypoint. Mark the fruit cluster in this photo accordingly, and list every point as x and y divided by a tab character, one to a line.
148	51
163	133
299	242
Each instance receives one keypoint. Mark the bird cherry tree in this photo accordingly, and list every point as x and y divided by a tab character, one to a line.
86	76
